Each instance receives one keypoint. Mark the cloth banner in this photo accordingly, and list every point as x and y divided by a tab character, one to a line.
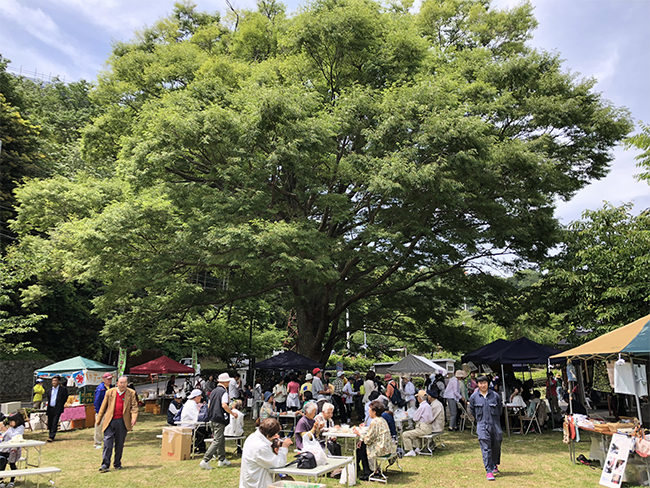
79	378
195	360
121	362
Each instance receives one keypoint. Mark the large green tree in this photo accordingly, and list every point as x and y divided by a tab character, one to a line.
338	158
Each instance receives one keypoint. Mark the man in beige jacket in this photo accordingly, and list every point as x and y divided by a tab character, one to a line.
118	414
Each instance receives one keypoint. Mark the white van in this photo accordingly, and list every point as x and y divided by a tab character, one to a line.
188	362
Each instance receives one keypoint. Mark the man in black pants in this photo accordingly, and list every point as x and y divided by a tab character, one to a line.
56	398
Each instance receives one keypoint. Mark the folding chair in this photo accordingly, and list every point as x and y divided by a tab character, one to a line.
380	473
464	417
530	421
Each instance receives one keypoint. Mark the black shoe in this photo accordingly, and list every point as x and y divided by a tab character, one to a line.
103	469
49	439
117	468
364	477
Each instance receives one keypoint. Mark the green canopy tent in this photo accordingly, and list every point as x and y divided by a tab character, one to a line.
84	371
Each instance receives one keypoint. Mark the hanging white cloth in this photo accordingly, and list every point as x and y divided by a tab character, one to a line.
641	380
624	379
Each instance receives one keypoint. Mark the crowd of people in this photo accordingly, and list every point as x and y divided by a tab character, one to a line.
320	399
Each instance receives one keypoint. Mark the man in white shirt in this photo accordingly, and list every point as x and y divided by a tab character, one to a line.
190	416
409	392
233	387
423	425
258	456
192	408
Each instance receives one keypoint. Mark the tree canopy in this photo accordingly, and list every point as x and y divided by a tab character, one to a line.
351	156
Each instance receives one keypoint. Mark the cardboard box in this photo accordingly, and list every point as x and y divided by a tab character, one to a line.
176	443
78	424
156	409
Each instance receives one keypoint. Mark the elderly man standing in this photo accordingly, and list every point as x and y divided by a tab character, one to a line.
100	393
423	425
218	415
118	414
453	394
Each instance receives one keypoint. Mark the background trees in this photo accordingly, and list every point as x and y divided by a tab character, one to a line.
352	157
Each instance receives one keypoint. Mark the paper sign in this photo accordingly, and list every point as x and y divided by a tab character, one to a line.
619	450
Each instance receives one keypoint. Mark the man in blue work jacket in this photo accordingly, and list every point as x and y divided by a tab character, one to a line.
485	405
100	392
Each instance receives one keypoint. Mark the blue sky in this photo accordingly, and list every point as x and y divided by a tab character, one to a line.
604	39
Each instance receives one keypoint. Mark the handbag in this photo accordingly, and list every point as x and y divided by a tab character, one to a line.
306	460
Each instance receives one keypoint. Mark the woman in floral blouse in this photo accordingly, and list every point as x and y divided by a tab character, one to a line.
376	441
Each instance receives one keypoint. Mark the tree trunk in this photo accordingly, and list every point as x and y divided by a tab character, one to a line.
313	325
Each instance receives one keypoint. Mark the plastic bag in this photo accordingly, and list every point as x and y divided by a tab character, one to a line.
309	444
349	474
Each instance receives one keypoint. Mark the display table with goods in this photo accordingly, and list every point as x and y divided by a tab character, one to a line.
619	447
73	417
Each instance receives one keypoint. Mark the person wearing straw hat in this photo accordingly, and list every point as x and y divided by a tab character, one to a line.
423	419
219	416
453	395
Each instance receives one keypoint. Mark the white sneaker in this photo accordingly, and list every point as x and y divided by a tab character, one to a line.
205	465
225	462
98	446
411	453
417	450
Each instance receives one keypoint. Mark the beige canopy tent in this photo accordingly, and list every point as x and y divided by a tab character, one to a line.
631	341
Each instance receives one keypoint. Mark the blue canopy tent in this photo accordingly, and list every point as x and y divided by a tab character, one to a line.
520	351
288	360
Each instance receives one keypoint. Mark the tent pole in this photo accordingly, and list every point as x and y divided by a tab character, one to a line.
503	395
636	396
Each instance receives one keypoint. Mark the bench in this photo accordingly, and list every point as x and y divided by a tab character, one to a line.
238	441
24	473
431	443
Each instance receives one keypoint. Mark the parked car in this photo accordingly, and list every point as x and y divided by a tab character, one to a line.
188	362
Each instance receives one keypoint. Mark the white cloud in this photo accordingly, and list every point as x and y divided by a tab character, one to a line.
39	25
618	187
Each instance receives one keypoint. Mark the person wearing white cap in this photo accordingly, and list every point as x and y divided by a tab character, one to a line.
175	406
191	414
219	416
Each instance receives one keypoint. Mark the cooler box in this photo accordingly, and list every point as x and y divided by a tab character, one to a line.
176	443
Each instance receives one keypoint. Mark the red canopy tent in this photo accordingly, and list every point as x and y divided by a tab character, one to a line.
162	365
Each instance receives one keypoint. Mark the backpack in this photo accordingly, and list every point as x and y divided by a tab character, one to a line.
396	398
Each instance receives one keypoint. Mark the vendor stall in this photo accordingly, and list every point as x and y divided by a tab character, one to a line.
84	374
156	368
519	352
628	351
417	366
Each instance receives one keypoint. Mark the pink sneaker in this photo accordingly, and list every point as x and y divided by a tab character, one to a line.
490	477
496	470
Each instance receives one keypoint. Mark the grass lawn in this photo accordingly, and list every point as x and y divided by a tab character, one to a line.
531	461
